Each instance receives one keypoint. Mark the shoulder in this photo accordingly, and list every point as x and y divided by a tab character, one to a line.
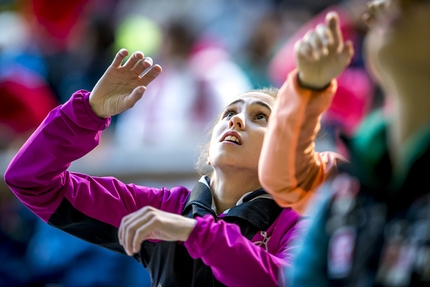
287	222
288	217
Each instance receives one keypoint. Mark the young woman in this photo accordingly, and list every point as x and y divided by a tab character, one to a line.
225	231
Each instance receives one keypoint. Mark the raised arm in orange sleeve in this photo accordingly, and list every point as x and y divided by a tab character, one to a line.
290	169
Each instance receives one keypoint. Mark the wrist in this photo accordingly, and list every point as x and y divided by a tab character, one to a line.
190	223
95	110
314	86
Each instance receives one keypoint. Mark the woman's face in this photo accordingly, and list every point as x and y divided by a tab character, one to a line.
238	136
399	35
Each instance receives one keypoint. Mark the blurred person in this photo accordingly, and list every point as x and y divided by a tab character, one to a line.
53	28
372	228
26	97
83	63
226	231
197	81
73	38
26	100
53	23
257	52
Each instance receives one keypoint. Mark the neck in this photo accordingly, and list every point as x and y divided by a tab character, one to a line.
229	186
410	94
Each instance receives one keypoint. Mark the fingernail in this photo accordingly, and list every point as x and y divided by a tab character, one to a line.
325	51
138	55
316	56
149	60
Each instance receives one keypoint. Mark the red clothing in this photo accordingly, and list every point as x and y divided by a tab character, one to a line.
25	101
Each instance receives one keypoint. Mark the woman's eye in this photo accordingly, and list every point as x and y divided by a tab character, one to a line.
228	114
262	116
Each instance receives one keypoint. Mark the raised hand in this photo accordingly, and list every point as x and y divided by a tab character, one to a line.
377	12
121	86
151	223
322	54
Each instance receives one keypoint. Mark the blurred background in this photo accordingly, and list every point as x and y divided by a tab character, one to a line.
210	51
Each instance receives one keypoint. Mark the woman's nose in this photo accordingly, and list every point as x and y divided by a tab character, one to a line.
237	120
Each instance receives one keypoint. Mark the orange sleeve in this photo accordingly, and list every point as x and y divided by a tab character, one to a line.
290	169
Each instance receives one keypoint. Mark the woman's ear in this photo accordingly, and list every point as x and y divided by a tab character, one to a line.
208	158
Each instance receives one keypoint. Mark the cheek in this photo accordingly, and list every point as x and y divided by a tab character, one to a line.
211	152
216	133
258	142
214	140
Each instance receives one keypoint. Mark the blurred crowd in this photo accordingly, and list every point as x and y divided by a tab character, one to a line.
210	51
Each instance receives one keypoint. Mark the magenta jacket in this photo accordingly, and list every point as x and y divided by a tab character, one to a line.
245	246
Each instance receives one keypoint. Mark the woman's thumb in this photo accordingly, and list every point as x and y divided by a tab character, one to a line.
136	95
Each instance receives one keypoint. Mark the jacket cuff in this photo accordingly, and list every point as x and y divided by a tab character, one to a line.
78	109
194	242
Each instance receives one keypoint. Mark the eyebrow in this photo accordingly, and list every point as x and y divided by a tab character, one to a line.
261	103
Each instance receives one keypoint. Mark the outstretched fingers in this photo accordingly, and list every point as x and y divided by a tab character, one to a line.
315	44
131	99
374	12
139	66
142	65
347	52
304	49
150	75
332	20
326	38
133	60
119	57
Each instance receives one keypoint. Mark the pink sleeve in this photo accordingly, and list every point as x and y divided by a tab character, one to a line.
38	175
290	168
235	260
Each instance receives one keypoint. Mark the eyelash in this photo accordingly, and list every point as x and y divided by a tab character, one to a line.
233	112
264	115
228	111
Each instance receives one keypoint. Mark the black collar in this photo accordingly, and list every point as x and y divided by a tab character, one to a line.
261	212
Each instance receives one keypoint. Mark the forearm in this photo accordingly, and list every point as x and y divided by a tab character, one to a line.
39	169
234	259
289	165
